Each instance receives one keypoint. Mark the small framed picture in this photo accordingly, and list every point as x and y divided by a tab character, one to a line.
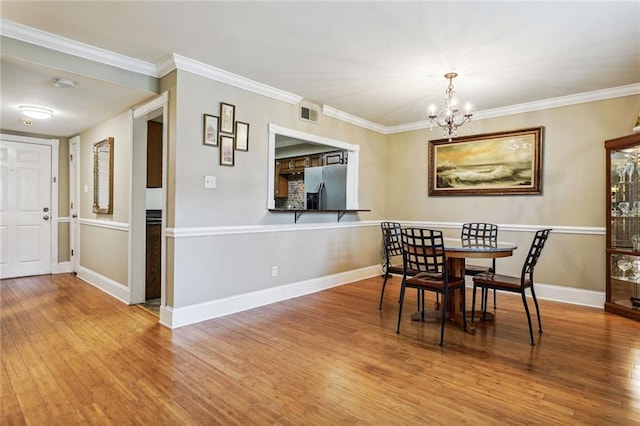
242	136
227	117
210	130
226	150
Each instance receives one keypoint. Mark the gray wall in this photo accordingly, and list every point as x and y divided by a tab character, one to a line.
222	261
573	187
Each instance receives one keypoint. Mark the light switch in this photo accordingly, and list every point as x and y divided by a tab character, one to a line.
209	181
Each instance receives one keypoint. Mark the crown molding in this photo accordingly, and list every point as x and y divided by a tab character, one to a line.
60	44
349	118
173	61
579	98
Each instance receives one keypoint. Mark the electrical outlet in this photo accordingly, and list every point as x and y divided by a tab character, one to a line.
274	271
210	182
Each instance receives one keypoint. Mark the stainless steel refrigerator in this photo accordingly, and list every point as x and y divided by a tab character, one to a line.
325	187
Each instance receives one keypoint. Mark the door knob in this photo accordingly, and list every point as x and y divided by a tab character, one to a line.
46	209
73	216
45	217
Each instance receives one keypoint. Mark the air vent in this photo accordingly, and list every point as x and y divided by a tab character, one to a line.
309	113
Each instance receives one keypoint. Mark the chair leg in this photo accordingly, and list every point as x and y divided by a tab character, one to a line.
473	303
485	294
535	302
384	284
494	299
464	309
400	307
526	309
444	312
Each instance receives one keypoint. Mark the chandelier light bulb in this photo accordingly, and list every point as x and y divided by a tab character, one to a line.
36	112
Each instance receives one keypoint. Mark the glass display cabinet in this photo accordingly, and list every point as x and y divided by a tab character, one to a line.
623	226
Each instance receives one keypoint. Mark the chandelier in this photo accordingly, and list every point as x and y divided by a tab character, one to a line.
449	117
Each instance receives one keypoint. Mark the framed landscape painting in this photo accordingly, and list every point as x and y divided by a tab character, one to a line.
503	163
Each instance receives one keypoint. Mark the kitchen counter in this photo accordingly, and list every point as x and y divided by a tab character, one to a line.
299	212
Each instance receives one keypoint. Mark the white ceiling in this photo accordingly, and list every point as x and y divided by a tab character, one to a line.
380	61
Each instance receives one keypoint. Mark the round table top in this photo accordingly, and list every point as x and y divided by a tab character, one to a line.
472	247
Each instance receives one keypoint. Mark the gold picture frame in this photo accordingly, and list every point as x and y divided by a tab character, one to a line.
501	163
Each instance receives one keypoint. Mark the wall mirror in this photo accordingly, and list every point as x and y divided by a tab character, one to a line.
291	143
103	177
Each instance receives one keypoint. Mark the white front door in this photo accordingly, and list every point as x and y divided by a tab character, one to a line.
25	209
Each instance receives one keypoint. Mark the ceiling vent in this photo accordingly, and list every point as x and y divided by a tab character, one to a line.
309	112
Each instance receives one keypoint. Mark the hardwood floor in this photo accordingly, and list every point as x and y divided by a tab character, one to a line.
73	355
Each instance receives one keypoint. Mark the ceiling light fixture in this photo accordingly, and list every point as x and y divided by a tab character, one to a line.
63	83
36	112
449	117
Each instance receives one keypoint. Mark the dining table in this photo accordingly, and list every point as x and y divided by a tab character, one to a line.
457	251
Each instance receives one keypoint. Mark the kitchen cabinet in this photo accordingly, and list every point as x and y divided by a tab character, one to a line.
334	157
316	160
153	261
623	226
154	154
281	183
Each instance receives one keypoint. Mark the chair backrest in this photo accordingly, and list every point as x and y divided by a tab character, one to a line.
534	252
423	251
391	239
487	231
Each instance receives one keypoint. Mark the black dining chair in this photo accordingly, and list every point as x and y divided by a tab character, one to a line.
486	232
392	249
489	280
423	253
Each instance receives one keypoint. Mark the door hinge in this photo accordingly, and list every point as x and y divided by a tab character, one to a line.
54	179
71	252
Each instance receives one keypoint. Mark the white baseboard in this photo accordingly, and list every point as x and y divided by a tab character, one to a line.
570	295
61	268
179	317
109	286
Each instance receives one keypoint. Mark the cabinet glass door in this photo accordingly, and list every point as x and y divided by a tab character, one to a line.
625	280
625	198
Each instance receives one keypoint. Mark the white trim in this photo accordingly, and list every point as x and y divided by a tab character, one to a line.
109	286
355	120
74	197
174	61
108	224
557	229
297	227
179	317
579	98
561	294
61	44
151	106
64	219
297	134
261	229
61	268
571	295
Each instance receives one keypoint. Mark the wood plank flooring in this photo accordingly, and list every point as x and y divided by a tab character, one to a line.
73	355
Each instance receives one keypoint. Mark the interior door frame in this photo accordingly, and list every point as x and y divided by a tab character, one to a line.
54	145
137	231
74	202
